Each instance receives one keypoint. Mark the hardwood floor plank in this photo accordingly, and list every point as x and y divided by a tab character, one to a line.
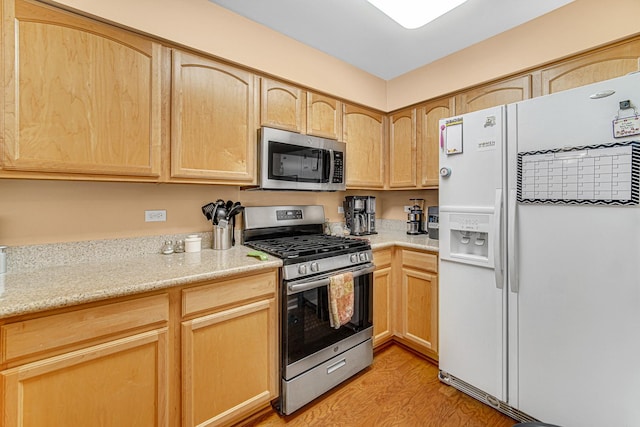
399	389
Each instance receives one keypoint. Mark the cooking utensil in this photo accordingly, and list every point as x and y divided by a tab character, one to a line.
208	210
219	211
221	215
235	210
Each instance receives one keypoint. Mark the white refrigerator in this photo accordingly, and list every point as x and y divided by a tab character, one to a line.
539	280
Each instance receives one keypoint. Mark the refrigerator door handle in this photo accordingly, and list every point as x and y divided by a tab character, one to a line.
497	239
511	241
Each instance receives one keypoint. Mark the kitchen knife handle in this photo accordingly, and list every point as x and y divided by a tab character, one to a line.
511	242
497	240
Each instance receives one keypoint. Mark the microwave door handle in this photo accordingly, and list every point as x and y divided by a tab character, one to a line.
293	288
332	166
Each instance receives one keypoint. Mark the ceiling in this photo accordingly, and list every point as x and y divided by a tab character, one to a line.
358	33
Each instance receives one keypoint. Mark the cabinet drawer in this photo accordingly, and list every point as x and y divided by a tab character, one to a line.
52	332
382	258
223	293
420	260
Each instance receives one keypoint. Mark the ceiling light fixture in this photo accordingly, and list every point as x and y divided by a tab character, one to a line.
413	14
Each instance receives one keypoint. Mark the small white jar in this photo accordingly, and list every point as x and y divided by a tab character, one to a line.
192	243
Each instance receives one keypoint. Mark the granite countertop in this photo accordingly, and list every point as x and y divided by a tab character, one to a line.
63	286
388	238
56	286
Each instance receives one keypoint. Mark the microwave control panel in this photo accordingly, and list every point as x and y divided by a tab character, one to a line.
338	169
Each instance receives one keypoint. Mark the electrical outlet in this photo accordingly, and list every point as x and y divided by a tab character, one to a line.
340	209
407	209
155	216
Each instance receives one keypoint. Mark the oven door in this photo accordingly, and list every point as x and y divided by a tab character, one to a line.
307	336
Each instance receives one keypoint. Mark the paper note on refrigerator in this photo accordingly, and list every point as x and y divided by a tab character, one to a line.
452	135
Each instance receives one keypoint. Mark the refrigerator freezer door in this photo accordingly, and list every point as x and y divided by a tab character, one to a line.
574	320
472	343
472	310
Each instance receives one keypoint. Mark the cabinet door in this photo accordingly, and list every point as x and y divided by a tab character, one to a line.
119	383
80	97
283	106
402	149
214	131
324	116
429	139
420	309
364	135
615	61
229	363
503	92
382	328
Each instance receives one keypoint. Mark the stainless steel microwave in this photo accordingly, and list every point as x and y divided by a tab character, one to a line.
292	161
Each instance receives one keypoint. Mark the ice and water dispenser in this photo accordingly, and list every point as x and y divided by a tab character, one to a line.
467	237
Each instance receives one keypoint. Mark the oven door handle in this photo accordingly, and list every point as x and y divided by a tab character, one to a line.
294	288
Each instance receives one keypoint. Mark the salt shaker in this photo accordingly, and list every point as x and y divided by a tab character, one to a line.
167	248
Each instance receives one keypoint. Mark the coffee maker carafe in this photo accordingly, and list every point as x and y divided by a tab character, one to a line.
360	214
415	220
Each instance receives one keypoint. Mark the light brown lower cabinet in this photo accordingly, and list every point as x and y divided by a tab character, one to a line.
211	346
405	299
229	356
382	298
418	320
84	377
119	383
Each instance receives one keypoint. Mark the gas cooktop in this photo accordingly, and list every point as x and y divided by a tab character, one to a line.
299	246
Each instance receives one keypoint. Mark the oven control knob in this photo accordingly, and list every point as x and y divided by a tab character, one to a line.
353	258
363	256
302	269
315	267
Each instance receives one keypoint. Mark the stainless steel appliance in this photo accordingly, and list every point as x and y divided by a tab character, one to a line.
292	161
315	357
433	222
415	220
360	214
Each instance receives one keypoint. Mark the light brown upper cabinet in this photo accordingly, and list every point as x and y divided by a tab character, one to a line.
213	121
324	116
429	116
604	64
402	149
364	134
283	106
502	92
81	99
291	108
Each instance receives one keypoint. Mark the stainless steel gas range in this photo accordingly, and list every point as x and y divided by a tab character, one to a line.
315	356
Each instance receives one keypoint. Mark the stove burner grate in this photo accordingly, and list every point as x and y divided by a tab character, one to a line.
296	246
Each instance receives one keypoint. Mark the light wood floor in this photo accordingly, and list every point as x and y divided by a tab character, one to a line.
399	389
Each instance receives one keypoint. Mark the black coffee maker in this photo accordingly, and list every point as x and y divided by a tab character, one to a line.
415	220
360	214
